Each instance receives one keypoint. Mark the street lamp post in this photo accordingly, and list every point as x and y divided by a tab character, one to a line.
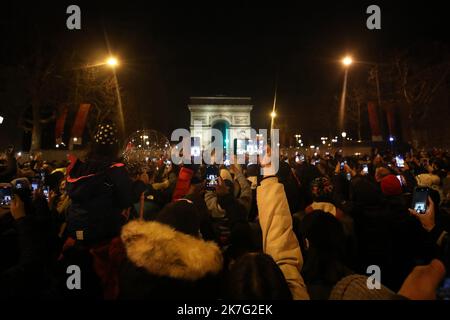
113	63
346	61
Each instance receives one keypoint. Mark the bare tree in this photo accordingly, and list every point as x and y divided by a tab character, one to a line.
417	87
98	88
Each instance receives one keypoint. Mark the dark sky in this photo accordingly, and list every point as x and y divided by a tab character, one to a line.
179	49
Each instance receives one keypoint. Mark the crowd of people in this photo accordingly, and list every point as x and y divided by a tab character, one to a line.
157	230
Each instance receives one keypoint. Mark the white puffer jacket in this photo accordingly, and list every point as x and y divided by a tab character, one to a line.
279	240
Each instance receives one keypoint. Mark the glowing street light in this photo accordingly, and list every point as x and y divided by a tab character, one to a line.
112	62
347	61
1	119
344	134
273	114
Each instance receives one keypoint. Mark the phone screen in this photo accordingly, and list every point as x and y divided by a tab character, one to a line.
5	196
420	197
399	162
46	192
212	177
365	169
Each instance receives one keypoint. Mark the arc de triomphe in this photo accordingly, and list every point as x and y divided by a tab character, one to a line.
230	115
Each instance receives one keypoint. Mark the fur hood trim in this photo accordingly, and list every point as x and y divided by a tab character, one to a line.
164	251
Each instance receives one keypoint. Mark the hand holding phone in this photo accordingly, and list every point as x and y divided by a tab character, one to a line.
212	178
420	197
427	217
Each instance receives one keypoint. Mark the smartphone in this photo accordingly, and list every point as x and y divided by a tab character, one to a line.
46	192
343	164
5	195
19	185
349	176
365	169
212	177
34	186
299	158
400	162
420	197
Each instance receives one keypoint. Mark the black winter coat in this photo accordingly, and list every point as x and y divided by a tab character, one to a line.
99	192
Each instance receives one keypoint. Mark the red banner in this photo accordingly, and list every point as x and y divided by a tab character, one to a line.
80	122
374	122
59	126
390	113
183	183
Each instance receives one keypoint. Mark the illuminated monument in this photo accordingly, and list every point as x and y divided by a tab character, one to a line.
230	115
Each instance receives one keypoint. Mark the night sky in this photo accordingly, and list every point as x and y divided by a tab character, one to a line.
179	49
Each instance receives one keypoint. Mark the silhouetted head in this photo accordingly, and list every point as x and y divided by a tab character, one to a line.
256	276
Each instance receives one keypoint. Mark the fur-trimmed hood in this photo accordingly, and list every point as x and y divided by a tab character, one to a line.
163	251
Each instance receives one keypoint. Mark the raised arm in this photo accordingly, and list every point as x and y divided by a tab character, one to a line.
279	240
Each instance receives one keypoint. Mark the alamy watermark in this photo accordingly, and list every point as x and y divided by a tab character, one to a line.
221	151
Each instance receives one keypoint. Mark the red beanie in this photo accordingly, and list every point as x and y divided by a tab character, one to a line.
390	186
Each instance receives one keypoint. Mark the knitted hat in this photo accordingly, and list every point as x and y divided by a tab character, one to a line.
106	134
390	186
354	287
181	215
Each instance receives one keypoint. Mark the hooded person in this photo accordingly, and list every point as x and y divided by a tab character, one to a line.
167	258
